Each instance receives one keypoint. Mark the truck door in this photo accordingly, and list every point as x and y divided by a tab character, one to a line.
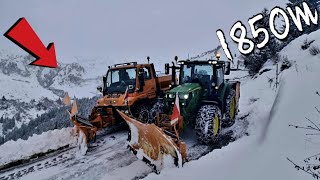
150	82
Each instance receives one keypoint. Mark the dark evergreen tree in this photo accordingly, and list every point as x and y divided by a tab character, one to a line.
294	32
55	118
8	123
1	140
255	61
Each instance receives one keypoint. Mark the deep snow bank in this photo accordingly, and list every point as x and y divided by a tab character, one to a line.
22	149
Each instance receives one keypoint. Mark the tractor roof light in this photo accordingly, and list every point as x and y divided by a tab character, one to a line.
213	62
218	56
181	62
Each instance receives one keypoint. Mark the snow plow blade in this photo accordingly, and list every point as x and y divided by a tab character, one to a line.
151	144
79	122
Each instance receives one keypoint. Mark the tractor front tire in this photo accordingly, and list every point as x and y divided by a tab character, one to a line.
208	124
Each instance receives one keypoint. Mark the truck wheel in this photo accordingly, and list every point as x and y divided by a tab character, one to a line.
141	112
158	107
231	110
208	124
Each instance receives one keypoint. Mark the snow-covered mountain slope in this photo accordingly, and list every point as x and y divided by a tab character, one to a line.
263	154
24	82
28	91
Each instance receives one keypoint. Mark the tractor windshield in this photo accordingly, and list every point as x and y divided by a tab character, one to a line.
118	80
197	73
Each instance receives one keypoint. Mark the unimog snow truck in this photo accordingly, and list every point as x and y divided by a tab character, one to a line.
129	87
206	102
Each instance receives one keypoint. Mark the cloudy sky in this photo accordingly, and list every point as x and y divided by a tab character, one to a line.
126	28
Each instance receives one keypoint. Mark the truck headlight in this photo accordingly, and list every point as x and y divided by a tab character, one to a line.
186	96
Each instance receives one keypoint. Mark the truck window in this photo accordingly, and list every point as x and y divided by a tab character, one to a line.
119	79
147	74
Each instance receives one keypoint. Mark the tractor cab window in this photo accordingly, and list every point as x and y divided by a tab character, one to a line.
220	76
119	79
197	73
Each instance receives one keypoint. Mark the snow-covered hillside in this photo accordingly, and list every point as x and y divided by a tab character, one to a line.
28	91
263	154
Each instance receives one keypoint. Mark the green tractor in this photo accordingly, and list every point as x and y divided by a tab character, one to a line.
207	101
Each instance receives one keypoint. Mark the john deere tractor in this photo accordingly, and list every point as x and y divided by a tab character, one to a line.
208	102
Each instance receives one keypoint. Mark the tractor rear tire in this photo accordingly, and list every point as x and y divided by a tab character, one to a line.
208	124
231	111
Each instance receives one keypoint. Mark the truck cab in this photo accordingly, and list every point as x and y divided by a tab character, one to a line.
138	82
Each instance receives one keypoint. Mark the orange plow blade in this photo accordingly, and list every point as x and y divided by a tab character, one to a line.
80	123
151	143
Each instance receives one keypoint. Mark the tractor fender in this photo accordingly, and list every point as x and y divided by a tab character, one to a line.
216	102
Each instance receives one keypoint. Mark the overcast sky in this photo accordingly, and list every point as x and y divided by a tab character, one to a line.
127	28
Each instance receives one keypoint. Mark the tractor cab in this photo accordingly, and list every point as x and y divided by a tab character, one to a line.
199	80
208	74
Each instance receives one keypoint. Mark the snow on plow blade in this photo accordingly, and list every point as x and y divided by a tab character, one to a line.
151	142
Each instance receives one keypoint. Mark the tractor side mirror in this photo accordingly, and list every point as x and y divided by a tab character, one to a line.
166	67
104	78
227	68
99	88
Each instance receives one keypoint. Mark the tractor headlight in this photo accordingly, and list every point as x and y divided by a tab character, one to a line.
171	96
184	96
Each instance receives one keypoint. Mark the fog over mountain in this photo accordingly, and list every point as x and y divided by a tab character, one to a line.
127	29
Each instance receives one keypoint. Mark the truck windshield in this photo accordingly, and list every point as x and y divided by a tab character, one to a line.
119	79
197	73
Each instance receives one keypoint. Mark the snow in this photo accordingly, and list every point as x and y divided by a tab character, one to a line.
135	169
22	149
263	154
82	144
23	88
105	161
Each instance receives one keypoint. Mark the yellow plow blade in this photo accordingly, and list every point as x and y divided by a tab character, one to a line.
151	142
67	100
82	124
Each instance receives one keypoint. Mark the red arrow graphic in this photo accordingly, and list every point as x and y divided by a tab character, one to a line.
22	34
